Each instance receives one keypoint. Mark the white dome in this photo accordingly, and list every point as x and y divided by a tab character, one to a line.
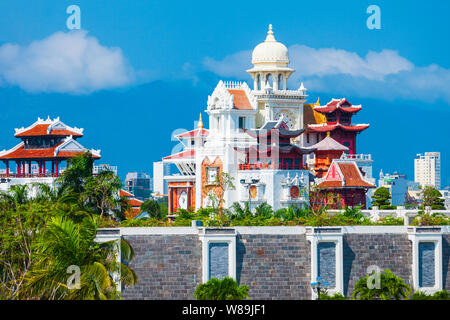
270	51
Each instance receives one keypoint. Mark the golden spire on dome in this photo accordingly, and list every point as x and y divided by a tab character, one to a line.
270	36
200	122
328	133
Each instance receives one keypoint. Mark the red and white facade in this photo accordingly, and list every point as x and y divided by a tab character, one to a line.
44	151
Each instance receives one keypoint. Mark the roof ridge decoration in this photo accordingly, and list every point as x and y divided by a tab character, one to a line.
65	146
222	99
52	123
57	122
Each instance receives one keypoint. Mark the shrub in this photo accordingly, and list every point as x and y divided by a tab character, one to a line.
440	295
391	287
225	289
390	220
427	219
336	296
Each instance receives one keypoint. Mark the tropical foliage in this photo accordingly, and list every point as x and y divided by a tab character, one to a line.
391	287
432	198
225	289
46	229
439	295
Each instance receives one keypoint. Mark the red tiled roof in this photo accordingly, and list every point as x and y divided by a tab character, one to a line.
351	174
240	99
188	154
41	130
124	193
19	152
335	102
341	104
193	133
332	127
135	202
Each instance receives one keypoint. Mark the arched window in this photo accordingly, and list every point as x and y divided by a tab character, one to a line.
269	80
280	82
258	82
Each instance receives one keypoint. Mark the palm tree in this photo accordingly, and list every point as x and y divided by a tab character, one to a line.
391	287
239	212
264	210
19	193
225	289
66	243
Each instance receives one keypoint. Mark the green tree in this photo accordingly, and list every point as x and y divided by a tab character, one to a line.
101	191
225	289
432	198
66	243
19	229
391	287
381	197
153	209
75	176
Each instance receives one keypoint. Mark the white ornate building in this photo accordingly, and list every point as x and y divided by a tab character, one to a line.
254	137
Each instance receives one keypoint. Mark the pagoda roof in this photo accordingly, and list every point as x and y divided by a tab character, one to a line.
344	174
48	127
324	127
240	99
329	144
124	193
277	126
186	154
135	202
199	132
341	104
69	148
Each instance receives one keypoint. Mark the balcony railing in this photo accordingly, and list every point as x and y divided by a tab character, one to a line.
267	166
358	156
29	175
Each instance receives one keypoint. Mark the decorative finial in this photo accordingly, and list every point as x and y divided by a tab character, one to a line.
270	36
328	133
317	102
200	122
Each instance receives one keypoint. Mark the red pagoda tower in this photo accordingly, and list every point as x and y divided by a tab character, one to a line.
338	113
44	141
325	152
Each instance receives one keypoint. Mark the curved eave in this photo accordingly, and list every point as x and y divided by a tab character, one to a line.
280	132
329	109
355	128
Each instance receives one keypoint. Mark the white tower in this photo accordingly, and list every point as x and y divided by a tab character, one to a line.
270	74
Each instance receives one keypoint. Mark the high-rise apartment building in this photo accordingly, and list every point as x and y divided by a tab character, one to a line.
427	169
139	184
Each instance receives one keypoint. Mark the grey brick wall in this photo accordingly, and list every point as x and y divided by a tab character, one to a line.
274	266
168	267
387	251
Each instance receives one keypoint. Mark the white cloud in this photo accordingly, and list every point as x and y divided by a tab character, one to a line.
383	74
71	62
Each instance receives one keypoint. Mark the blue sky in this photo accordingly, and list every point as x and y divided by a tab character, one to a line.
139	70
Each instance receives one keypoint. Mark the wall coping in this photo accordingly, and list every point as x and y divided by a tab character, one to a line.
280	230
